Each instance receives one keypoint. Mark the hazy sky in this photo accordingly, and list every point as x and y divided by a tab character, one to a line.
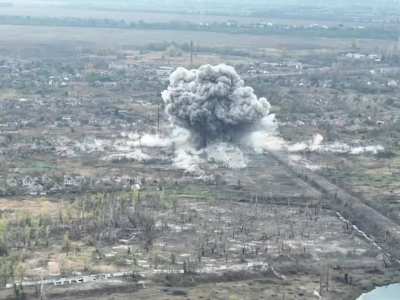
230	7
209	2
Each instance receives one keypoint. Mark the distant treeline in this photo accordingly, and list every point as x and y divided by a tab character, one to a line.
339	31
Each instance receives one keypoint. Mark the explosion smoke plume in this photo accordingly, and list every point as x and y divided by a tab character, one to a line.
213	103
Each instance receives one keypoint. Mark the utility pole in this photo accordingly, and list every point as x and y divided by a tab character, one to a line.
158	118
397	47
191	54
42	288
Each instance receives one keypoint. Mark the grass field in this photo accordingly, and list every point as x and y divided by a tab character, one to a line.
132	15
26	36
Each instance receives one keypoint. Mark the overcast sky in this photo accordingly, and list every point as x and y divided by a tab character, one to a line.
211	2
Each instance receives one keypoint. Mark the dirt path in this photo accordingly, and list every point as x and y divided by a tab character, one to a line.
384	231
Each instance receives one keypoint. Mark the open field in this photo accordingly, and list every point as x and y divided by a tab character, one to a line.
153	16
29	36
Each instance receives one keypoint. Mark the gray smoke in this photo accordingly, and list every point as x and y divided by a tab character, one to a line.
213	103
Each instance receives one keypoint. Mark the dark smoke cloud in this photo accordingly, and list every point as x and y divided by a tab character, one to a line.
212	102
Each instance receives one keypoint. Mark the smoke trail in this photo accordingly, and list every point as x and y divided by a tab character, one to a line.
213	103
316	145
227	155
